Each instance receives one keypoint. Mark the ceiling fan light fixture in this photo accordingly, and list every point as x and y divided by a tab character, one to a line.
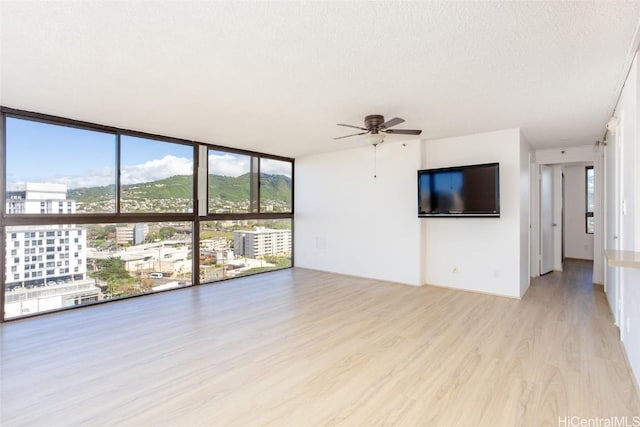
375	138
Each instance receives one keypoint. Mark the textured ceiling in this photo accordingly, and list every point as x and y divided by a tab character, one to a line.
276	77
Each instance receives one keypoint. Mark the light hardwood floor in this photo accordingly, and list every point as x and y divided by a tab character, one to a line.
304	348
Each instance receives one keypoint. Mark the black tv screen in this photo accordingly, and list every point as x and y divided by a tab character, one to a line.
460	191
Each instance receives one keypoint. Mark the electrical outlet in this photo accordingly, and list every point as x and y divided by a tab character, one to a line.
455	269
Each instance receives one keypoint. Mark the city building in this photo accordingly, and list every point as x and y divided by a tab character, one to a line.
222	255
124	234
214	244
170	258
52	257
132	234
39	198
261	242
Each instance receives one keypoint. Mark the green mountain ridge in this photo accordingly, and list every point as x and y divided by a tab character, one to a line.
235	189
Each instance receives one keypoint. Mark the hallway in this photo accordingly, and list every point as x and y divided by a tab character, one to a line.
574	334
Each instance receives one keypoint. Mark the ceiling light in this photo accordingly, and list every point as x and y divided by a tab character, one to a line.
375	138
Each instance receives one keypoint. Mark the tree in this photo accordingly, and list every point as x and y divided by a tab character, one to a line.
112	271
96	232
132	288
166	232
151	237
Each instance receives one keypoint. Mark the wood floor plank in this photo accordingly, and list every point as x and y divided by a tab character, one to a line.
306	348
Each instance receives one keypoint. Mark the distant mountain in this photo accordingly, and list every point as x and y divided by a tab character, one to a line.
92	194
275	187
175	187
235	189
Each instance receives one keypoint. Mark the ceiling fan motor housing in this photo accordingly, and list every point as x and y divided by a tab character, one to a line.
373	122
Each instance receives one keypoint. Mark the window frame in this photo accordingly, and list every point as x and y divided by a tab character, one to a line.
194	217
255	206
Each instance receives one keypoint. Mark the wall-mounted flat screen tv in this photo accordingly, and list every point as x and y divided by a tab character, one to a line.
472	191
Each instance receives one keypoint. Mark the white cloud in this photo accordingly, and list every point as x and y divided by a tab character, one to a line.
94	178
236	165
228	164
154	170
275	167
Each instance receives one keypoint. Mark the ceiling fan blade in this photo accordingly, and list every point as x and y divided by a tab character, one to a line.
347	136
352	126
392	122
403	131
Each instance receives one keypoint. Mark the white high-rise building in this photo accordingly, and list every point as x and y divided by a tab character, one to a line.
37	198
45	265
261	242
37	255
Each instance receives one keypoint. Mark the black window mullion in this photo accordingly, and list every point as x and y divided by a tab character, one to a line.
258	184
195	251
195	224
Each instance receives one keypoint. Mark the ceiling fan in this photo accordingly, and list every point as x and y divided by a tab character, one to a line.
376	129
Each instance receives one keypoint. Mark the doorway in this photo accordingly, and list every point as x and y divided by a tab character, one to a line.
566	221
546	219
551	218
578	201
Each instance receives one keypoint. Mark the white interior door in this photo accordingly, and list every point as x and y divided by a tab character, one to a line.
546	219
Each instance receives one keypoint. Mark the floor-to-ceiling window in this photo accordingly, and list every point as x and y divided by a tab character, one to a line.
93	213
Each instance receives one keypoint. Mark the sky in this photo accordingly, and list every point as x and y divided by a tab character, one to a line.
40	152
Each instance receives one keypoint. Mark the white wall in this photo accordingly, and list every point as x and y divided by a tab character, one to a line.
480	254
349	222
630	325
577	243
526	159
632	295
624	293
629	132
